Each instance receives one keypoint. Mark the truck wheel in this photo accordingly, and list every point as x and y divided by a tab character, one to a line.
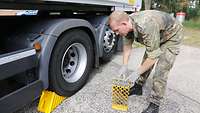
109	45
71	62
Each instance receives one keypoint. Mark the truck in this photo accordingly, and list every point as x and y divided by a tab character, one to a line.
54	48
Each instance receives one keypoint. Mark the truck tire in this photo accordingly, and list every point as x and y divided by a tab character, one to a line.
109	45
71	62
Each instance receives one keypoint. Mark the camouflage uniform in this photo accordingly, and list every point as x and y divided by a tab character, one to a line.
161	34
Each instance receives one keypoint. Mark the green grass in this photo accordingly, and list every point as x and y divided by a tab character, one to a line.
192	41
191	37
193	23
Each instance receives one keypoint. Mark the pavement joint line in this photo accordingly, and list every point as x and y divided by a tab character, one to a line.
185	96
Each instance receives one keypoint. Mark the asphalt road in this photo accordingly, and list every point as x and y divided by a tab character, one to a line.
182	94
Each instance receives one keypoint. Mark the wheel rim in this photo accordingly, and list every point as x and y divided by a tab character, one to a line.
109	41
74	62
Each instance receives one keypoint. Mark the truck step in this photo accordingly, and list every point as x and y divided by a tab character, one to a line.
19	98
49	101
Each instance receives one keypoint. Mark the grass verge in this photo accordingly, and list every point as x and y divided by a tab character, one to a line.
192	23
191	37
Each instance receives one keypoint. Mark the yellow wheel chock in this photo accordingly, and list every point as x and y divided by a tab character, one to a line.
49	101
120	92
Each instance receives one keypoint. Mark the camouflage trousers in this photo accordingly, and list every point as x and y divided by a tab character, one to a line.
170	50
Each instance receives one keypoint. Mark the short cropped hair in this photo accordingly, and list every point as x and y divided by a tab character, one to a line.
118	16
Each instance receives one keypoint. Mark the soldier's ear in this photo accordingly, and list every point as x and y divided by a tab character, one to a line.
123	23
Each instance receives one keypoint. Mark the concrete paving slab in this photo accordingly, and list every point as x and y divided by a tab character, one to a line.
185	75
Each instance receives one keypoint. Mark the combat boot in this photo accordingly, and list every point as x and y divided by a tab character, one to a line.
152	108
135	90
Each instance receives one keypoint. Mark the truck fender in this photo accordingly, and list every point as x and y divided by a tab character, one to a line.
50	37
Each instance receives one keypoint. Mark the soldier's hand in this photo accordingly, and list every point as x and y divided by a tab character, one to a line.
133	76
123	72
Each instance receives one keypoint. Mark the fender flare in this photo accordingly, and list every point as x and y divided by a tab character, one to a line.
101	30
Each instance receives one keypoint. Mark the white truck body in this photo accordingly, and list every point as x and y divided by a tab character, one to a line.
52	44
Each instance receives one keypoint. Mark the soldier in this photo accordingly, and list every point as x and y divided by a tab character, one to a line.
161	34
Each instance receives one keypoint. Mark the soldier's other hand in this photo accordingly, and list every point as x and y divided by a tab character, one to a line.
123	72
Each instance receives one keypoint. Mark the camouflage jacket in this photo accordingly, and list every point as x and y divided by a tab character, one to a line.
152	28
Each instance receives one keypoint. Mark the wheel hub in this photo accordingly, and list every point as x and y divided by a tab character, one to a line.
74	62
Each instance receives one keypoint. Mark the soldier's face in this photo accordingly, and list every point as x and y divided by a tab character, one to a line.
120	28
